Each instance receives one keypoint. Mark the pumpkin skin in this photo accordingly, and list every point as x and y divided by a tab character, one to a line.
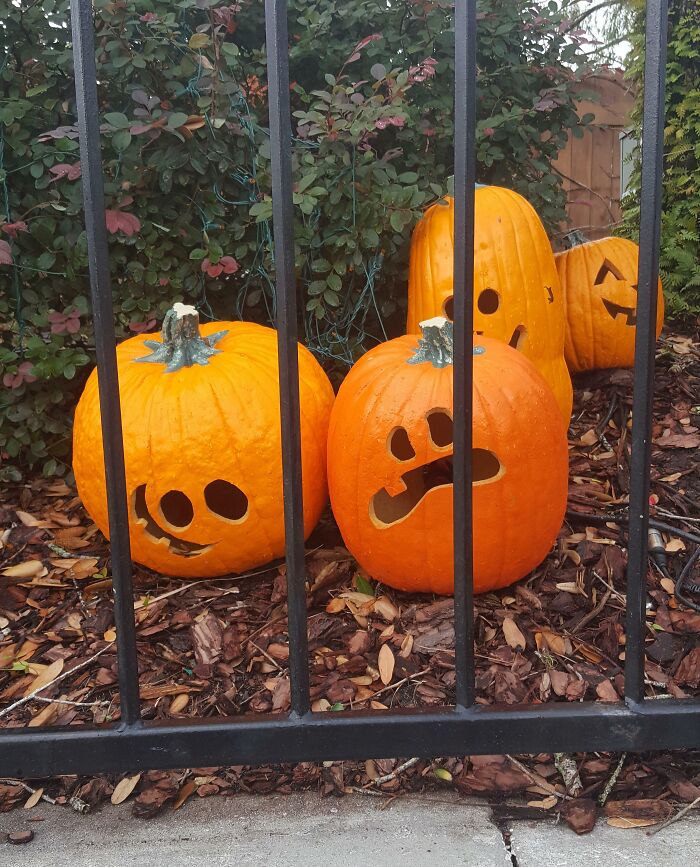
209	432
390	439
517	294
599	279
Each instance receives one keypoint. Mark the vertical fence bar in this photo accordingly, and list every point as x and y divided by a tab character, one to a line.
645	342
105	344
463	292
283	216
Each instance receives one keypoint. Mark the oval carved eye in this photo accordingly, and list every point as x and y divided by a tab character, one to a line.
226	500
177	508
488	301
400	445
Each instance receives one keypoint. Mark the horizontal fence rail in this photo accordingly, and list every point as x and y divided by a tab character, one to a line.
302	735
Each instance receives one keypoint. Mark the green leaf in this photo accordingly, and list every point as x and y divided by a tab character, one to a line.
176	119
443	774
117	119
362	585
121	140
198	40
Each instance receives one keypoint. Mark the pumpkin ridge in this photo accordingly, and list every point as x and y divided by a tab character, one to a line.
260	522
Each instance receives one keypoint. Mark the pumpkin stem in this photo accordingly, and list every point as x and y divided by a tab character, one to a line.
436	344
183	345
573	239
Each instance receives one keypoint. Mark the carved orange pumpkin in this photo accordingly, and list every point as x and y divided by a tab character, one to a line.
202	446
599	279
390	462
517	295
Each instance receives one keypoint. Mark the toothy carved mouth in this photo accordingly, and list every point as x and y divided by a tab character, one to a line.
616	310
387	509
157	534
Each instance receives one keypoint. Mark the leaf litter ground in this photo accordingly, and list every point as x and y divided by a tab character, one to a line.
220	647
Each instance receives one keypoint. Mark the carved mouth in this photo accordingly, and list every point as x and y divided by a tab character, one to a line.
387	509
157	534
518	337
616	310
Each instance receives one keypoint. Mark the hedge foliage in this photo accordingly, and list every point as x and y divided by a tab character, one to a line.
187	170
680	230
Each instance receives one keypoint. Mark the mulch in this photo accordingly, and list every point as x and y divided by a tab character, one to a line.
219	647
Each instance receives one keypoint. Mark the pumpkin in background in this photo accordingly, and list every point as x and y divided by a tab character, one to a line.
390	462
202	445
599	279
517	294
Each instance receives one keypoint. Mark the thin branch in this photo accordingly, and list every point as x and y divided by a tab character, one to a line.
394	774
679	815
574	23
60	677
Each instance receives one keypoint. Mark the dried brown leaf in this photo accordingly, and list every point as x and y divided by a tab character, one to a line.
27	569
386	662
124	788
513	635
51	672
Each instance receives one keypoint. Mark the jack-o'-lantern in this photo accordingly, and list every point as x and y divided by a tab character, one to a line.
390	462
517	295
599	280
202	447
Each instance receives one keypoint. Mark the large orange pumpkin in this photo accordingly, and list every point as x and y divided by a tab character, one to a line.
390	462
202	445
517	295
599	279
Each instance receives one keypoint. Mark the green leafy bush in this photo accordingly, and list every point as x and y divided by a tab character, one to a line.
680	226
187	171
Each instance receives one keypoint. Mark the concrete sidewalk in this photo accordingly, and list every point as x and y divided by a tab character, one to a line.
310	831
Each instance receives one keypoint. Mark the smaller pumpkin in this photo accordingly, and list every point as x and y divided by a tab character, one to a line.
390	462
599	281
517	296
202	445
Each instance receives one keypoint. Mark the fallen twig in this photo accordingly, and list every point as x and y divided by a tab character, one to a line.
27	788
5	711
392	776
593	613
536	779
397	684
603	797
679	815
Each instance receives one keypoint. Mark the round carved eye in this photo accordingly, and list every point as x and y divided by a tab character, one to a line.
488	301
226	500
177	508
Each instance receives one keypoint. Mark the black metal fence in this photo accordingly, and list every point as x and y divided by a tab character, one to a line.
300	735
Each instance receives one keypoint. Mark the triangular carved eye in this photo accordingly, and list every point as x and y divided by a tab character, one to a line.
607	268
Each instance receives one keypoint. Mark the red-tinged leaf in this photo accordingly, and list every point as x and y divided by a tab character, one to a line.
230	265
140	128
12	229
140	327
120	221
69	171
213	270
5	253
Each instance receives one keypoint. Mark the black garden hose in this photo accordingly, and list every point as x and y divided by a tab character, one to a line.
682	584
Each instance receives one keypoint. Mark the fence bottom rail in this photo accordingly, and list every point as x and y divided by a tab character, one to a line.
585	726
